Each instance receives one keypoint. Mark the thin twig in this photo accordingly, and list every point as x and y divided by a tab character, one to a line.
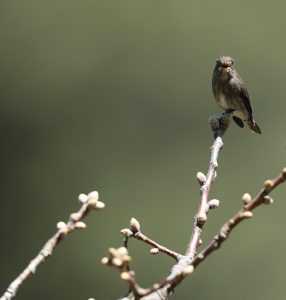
201	216
136	233
88	202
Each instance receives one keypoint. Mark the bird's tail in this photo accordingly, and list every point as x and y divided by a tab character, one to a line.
254	126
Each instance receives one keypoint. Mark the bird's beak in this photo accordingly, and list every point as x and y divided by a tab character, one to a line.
225	68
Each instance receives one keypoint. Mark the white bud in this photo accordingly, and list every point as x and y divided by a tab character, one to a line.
223	234
104	260
268	184
99	205
93	195
134	225
127	232
154	251
125	276
61	225
188	270
284	172
112	251
122	251
247	214
268	200
80	225
246	198
82	198
201	178
116	261
213	203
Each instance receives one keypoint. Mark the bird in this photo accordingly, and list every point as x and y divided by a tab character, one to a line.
231	93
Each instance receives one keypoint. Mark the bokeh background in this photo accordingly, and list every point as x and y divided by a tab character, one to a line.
115	96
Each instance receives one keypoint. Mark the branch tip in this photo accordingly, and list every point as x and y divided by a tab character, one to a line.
126	232
134	225
93	195
104	260
82	198
284	173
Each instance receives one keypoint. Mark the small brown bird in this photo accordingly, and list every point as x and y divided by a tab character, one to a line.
231	93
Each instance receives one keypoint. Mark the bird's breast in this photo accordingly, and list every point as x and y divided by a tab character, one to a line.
223	102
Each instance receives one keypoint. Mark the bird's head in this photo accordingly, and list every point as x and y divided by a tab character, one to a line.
224	65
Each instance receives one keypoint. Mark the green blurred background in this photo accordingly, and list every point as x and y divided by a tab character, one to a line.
115	96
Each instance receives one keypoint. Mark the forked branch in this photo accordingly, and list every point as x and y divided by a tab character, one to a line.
187	263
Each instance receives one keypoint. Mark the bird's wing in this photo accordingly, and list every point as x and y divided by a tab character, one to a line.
245	97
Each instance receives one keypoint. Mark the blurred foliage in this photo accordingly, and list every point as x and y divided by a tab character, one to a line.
115	96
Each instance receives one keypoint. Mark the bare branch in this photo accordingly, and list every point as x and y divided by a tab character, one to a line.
219	126
183	268
186	264
243	214
88	203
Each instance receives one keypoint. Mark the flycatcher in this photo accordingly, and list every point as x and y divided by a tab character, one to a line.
231	93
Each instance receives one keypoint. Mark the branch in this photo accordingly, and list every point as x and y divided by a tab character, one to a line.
184	266
88	203
243	214
136	233
219	127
